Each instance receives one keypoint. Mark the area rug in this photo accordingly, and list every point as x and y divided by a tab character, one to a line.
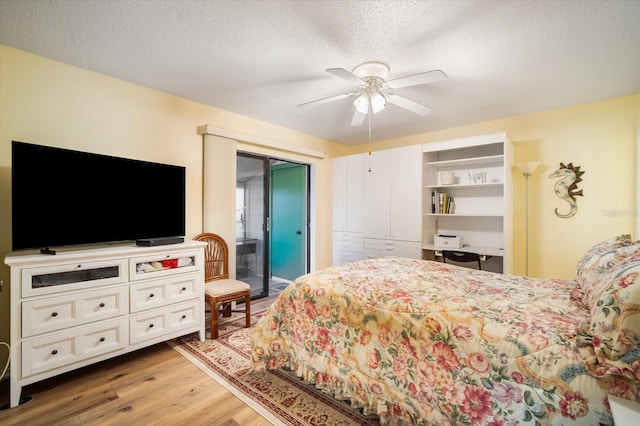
277	395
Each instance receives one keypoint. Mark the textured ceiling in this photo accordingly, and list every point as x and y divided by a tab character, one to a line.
263	58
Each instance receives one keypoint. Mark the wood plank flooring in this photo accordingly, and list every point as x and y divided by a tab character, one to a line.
152	386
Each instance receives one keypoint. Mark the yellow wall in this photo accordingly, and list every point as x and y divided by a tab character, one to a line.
44	101
51	103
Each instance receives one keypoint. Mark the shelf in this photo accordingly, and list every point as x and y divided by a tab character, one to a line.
468	185
498	160
482	214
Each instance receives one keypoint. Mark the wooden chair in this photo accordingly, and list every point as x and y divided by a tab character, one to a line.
460	256
220	291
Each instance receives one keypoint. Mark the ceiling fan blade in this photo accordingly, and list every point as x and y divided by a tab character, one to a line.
358	118
345	75
417	79
408	104
328	99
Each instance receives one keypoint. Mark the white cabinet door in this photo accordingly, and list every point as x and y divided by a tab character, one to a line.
406	193
355	184
348	181
393	195
377	196
339	189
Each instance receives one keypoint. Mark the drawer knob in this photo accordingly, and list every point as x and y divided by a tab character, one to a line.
53	352
102	339
184	316
184	289
150	325
54	314
102	304
151	295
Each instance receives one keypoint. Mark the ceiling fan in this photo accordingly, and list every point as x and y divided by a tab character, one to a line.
373	91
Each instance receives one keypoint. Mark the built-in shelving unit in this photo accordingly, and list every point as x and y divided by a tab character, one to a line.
475	174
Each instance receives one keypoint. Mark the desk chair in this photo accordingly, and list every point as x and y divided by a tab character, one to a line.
460	256
220	291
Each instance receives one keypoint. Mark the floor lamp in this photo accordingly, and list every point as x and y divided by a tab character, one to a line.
527	170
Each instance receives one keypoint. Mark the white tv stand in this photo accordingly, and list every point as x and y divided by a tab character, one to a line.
79	307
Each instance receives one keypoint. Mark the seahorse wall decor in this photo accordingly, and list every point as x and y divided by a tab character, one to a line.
567	187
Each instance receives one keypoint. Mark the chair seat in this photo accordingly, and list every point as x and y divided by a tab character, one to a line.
224	287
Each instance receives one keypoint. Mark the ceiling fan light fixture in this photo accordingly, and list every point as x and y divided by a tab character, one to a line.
372	90
377	102
362	103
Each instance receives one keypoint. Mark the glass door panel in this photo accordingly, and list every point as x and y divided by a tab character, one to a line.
251	232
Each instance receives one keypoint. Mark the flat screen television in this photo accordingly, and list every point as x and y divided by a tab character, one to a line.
62	197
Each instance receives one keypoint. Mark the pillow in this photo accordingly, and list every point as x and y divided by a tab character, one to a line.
610	342
602	256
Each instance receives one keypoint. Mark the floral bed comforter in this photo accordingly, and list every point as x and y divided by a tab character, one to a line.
429	343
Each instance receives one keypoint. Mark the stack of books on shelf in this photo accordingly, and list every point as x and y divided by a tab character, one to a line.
442	203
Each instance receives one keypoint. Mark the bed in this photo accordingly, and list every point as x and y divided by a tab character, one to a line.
427	343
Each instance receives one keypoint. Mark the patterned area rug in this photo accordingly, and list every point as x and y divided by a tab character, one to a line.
277	395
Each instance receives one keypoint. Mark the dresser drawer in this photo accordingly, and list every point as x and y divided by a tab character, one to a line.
62	349
72	276
341	257
379	248
157	293
163	265
56	313
160	322
348	241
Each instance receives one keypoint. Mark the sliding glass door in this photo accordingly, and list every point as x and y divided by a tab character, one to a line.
272	233
251	232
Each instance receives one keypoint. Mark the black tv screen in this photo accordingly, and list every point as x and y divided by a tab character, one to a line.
62	197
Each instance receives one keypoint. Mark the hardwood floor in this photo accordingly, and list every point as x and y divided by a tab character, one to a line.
152	386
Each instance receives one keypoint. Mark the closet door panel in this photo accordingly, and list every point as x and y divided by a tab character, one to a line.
354	198
376	197
406	193
339	179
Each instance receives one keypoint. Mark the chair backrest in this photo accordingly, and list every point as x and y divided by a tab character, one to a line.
216	256
460	256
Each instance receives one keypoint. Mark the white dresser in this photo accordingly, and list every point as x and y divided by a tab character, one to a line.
79	307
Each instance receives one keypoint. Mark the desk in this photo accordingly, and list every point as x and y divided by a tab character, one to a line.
491	257
246	247
482	251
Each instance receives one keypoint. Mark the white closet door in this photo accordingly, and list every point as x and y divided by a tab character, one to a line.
355	185
406	193
339	178
377	196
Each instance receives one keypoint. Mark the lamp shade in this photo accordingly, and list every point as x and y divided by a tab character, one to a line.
377	102
528	168
362	103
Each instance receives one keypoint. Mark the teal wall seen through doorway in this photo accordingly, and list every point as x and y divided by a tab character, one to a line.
288	220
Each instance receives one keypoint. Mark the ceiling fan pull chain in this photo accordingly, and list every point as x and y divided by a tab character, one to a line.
369	114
